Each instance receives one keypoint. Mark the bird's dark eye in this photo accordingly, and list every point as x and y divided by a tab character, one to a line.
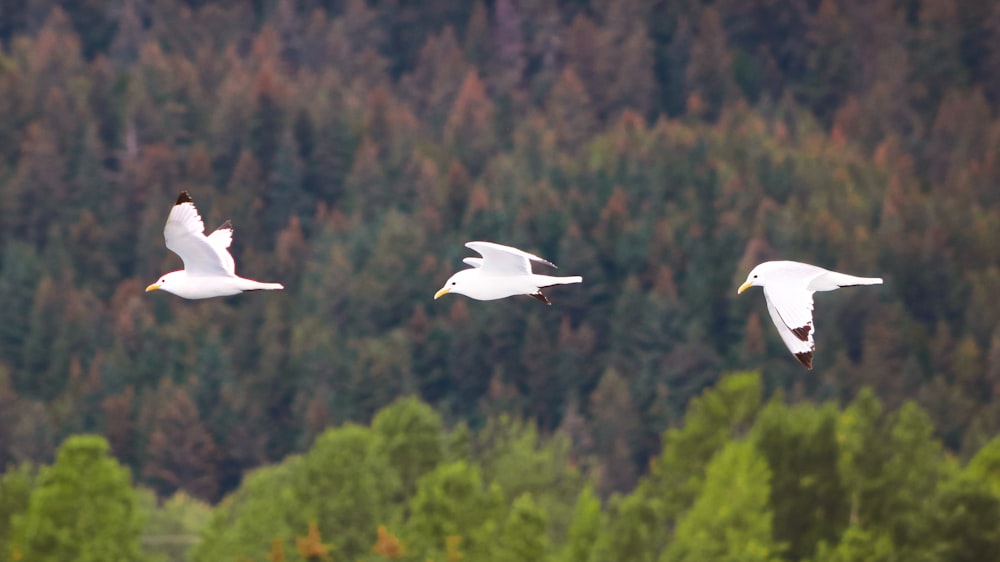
754	276
452	282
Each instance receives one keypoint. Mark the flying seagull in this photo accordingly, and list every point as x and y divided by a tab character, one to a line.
209	269
501	272
788	290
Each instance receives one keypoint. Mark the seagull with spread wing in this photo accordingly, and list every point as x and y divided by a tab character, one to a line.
209	269
501	272
788	290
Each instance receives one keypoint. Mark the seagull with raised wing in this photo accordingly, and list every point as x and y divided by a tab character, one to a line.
501	272
209	269
788	290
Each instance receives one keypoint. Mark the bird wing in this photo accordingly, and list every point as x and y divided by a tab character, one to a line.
790	305
185	236
474	262
504	260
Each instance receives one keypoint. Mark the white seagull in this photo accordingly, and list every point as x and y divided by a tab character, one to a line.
501	272
788	290
209	269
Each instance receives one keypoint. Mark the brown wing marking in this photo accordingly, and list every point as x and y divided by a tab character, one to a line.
806	359
184	198
803	332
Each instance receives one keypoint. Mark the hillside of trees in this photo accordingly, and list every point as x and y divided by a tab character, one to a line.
739	479
659	149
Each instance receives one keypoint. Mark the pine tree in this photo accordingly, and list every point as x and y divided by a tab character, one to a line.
708	75
180	452
614	427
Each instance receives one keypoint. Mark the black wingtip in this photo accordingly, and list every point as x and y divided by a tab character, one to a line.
226	225
806	359
540	297
184	198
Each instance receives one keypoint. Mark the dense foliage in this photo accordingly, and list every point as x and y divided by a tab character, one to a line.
737	480
659	149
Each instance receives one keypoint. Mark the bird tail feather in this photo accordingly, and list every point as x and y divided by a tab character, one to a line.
258	286
844	280
548	281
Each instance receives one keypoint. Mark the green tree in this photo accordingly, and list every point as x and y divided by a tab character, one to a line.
635	530
263	509
985	466
858	545
412	436
585	529
16	485
346	487
731	519
809	502
83	508
524	535
173	525
712	420
452	500
513	454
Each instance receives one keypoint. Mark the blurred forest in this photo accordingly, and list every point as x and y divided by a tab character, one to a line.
659	149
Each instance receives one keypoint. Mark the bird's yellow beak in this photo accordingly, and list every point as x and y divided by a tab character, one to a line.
744	287
153	287
441	293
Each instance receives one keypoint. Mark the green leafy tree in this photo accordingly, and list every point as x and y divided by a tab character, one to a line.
16	485
83	508
513	454
985	466
809	501
858	545
346	487
585	530
412	436
634	530
524	535
263	510
712	420
452	500
173	526
731	520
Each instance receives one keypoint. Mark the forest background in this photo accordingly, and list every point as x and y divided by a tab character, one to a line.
659	149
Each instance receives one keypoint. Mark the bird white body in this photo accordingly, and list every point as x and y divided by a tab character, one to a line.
502	272
209	269
788	290
193	287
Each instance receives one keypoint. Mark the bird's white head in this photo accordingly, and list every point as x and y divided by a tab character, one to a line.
460	283
168	282
758	276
